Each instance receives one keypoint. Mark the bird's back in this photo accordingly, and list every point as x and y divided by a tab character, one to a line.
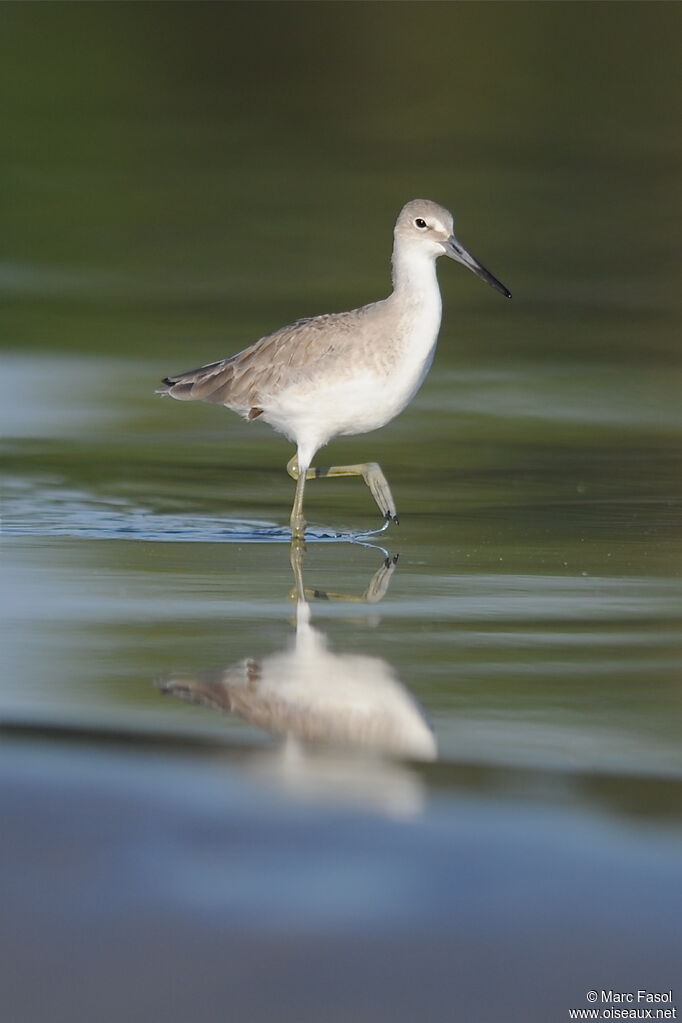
309	348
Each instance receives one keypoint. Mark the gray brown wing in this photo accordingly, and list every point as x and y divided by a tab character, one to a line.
244	380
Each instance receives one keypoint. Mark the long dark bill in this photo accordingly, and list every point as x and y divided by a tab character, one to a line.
454	250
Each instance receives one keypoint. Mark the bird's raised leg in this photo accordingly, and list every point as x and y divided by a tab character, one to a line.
371	473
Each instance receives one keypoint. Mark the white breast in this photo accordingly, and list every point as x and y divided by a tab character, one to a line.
374	376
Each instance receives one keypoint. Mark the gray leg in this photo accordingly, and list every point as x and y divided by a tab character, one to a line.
371	472
297	521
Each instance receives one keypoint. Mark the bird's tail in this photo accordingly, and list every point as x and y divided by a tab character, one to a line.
208	383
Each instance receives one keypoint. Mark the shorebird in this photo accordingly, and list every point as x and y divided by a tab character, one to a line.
344	373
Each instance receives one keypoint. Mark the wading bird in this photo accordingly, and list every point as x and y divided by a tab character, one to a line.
344	373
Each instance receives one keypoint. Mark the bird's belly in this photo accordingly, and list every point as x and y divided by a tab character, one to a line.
350	406
353	404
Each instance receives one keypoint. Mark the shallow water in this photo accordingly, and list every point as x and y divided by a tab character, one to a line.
456	786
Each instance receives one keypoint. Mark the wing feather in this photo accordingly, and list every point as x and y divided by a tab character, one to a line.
244	381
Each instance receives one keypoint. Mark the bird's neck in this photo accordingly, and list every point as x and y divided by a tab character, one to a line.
415	284
416	294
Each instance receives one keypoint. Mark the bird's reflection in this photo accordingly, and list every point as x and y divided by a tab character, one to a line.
321	700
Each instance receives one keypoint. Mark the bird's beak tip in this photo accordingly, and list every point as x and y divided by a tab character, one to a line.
456	251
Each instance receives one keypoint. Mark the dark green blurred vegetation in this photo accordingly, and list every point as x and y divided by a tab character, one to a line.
180	178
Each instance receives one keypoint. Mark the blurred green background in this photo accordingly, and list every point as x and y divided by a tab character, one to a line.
180	178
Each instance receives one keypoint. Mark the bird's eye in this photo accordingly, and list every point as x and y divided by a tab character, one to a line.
419	222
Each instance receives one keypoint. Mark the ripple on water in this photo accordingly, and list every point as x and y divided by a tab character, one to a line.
30	510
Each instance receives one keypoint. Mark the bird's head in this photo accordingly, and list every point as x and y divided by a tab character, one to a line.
424	226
